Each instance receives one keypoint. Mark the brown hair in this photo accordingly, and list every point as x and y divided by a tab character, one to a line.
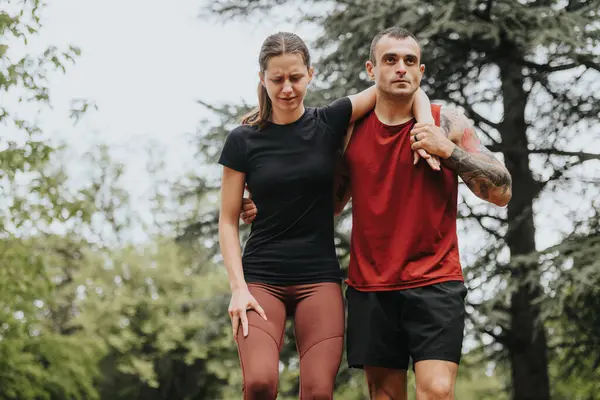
395	32
275	45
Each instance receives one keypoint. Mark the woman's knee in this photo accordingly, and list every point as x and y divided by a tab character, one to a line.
260	387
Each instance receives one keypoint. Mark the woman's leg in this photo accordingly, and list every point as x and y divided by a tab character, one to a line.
259	351
319	326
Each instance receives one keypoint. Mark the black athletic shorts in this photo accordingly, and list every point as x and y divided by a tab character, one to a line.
387	328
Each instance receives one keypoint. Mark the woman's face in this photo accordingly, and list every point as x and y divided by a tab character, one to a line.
286	80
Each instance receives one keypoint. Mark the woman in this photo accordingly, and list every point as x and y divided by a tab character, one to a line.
285	153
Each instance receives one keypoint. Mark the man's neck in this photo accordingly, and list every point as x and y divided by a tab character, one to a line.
393	110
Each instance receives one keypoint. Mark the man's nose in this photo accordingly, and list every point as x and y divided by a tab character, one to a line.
400	68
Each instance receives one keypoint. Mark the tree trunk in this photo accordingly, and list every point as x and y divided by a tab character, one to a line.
527	338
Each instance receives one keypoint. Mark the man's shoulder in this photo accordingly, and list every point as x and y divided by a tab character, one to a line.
453	121
360	123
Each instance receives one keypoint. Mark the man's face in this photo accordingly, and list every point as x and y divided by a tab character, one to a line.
396	71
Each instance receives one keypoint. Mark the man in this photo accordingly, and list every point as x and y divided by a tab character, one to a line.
405	286
406	292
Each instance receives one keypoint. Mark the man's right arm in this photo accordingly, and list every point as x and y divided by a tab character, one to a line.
341	186
341	176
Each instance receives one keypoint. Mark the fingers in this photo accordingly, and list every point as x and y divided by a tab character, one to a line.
249	207
420	132
417	137
249	211
248	219
244	318
432	160
424	154
433	163
235	324
259	309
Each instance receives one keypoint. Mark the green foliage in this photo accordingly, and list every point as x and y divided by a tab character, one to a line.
84	314
159	310
38	361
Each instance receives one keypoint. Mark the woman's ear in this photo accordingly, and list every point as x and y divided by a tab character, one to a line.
311	72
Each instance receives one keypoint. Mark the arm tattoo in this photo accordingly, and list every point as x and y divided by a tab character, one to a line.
486	179
483	174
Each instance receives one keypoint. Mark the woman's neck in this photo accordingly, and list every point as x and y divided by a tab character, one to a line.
280	117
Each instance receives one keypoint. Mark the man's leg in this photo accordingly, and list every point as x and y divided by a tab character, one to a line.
386	383
376	343
434	322
435	379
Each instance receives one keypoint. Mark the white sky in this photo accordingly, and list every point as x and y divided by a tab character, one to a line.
145	63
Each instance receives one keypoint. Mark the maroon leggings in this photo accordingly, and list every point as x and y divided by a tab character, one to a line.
318	312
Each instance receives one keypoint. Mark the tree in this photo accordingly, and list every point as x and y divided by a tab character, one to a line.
158	309
37	361
85	314
526	72
572	316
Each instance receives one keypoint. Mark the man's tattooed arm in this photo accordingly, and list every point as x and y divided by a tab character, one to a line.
483	173
341	186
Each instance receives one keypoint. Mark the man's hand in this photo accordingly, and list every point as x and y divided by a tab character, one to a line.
456	142
249	211
433	161
432	139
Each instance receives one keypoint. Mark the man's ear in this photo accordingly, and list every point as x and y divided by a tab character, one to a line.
311	72
369	67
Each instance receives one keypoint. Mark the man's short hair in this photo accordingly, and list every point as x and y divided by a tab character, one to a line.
396	32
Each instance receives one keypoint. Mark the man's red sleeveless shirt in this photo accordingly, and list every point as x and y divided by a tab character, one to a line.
403	215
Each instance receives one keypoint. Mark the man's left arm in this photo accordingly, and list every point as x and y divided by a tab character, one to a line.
457	144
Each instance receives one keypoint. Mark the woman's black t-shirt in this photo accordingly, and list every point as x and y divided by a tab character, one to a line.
289	171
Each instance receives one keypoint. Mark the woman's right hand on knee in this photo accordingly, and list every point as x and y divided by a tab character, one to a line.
242	301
